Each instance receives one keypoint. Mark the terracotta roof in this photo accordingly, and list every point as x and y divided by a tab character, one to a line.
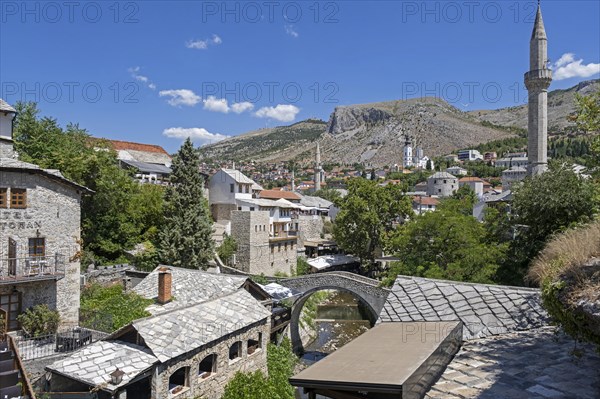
426	201
270	194
471	179
128	145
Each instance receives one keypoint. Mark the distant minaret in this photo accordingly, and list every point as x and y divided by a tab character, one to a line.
408	156
318	168
537	81
293	180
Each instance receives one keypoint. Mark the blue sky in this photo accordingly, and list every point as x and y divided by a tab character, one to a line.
156	71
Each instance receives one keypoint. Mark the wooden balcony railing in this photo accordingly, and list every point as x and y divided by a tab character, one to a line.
32	268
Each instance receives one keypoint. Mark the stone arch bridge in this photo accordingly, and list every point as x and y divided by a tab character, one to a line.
365	289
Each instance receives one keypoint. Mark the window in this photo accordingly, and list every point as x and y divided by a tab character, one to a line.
251	208
285	246
37	246
18	198
239	188
272	248
208	366
178	381
255	228
279	247
254	345
3	195
11	303
235	350
232	188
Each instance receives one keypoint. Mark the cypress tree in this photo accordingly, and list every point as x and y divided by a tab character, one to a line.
185	237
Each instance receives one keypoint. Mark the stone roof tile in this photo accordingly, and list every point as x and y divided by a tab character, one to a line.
176	332
484	309
93	364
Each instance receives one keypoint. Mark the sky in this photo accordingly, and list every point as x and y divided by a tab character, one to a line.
157	71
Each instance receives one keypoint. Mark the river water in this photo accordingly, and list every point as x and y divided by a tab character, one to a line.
339	319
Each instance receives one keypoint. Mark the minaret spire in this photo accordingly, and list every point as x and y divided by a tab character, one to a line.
537	81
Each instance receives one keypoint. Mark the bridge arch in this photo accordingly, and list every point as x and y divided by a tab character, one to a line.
365	289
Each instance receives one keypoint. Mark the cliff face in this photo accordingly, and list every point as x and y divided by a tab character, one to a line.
348	118
374	133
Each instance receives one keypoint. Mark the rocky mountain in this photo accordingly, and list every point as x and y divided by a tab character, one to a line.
560	105
374	133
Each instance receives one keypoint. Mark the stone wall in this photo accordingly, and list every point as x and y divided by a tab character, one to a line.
214	386
257	253
222	211
53	213
310	227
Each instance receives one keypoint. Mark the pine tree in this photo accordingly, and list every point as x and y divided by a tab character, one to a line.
185	237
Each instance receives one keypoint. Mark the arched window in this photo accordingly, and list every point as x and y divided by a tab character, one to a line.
235	350
208	366
179	381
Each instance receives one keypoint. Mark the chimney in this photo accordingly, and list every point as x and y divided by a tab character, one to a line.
164	285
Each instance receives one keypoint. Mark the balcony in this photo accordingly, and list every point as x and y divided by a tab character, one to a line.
36	268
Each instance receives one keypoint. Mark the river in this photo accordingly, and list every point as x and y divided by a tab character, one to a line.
337	320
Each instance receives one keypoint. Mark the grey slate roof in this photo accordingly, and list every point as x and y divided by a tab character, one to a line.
528	364
188	286
174	333
6	107
484	309
148	167
441	175
94	363
15	164
239	177
318	202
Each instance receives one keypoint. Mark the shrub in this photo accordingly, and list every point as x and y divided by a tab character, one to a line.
39	320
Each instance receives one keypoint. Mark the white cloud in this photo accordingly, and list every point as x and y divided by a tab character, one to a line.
180	97
135	73
216	104
197	134
289	29
568	67
239	108
281	112
203	44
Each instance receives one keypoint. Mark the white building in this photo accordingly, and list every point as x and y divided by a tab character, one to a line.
512	175
508	162
475	183
469	155
457	171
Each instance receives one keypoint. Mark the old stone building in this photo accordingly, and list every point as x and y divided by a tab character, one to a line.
39	234
204	328
442	184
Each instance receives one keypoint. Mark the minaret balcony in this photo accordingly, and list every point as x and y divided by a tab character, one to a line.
538	78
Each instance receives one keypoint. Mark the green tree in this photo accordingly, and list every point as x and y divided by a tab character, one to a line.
587	112
227	248
120	213
446	244
280	363
542	206
368	214
186	234
110	308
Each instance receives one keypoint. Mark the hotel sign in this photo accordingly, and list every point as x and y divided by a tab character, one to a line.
18	220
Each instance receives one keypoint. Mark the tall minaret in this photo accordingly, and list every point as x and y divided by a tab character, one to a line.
318	168
537	81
